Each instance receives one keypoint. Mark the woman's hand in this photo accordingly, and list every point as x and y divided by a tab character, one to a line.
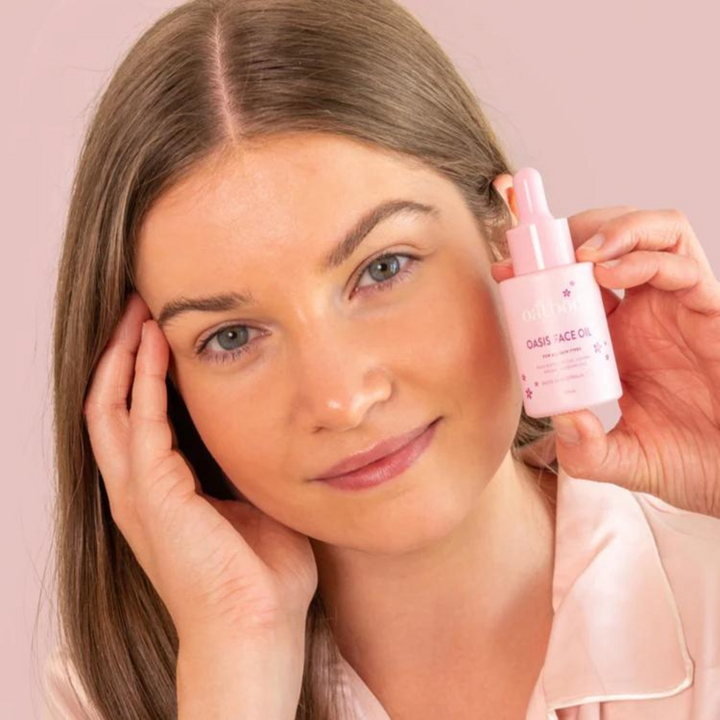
220	566
666	337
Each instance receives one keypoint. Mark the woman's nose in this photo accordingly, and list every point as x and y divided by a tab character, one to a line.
339	383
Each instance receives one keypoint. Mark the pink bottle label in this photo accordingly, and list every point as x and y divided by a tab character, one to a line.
560	339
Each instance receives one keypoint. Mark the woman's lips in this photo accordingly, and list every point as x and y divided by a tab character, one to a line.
386	467
378	451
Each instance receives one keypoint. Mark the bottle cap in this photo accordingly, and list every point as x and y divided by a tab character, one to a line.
539	241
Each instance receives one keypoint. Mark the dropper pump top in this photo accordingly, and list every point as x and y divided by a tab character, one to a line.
539	241
530	196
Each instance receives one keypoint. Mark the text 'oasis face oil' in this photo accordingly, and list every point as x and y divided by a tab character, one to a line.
554	311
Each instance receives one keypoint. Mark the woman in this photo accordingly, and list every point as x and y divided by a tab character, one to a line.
303	200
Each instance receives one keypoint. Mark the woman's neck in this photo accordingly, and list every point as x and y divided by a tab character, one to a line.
475	603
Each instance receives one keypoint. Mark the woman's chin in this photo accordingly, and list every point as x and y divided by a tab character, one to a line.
411	523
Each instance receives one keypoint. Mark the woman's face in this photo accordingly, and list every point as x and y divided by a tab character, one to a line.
326	359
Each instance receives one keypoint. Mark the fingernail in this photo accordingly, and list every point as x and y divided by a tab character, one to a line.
610	263
566	430
593	243
142	332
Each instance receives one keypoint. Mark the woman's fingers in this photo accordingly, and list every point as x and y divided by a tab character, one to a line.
585	224
131	371
105	407
658	248
664	271
648	230
151	438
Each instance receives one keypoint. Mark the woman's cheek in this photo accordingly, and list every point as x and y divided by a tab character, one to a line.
475	369
465	328
240	432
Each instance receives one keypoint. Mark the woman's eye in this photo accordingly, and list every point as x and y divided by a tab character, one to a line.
232	340
387	265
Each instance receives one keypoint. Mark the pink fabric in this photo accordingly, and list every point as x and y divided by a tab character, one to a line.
64	696
636	631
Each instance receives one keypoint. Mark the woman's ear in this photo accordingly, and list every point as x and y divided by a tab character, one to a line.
503	183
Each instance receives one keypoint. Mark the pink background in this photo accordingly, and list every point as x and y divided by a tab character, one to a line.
613	103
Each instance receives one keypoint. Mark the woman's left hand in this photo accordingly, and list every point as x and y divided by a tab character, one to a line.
665	333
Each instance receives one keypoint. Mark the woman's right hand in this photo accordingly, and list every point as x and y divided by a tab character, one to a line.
215	563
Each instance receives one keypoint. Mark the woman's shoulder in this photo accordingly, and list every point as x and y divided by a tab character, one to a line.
674	527
63	695
688	545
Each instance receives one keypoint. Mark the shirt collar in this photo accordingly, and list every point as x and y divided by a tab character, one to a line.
616	631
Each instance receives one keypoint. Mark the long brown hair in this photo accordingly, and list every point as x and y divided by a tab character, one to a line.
206	76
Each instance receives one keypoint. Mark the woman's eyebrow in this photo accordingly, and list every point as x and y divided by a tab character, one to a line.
346	247
333	259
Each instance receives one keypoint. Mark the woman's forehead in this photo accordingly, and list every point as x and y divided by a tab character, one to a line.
278	194
288	164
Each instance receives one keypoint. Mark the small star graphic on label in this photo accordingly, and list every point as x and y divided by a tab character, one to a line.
597	347
536	383
566	292
572	282
607	357
528	392
604	342
523	377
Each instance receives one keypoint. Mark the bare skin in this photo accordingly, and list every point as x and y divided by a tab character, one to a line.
438	582
471	649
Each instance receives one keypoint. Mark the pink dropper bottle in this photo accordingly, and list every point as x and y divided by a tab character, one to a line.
554	312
